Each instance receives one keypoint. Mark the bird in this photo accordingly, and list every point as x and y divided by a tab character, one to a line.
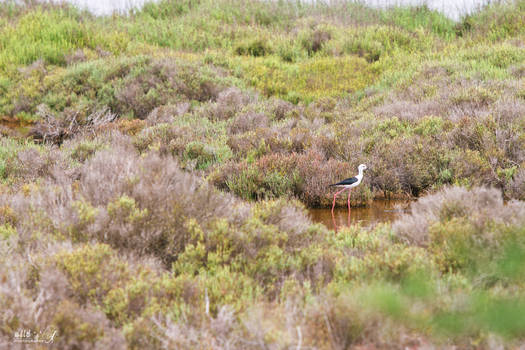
349	184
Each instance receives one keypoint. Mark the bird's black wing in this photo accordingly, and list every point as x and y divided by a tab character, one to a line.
345	182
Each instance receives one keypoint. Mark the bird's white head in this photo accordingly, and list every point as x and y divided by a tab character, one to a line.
361	167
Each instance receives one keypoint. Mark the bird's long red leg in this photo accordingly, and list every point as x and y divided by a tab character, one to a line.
335	195
349	190
333	206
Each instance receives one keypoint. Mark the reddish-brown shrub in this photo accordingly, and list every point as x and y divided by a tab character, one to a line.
317	173
248	121
517	71
411	111
229	102
131	202
33	164
76	57
280	109
166	114
259	142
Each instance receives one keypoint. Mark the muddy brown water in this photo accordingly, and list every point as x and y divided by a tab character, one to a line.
379	211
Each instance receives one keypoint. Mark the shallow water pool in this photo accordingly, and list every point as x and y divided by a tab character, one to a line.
378	211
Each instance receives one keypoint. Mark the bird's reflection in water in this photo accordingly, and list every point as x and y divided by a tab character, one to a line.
378	211
334	222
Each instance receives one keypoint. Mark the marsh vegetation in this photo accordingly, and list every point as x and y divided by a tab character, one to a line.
156	169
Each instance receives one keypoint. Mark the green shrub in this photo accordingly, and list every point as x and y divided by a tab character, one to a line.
495	21
82	150
256	48
202	155
50	35
310	79
92	271
376	41
420	17
315	41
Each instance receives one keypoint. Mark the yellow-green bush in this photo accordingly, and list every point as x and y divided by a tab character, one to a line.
93	271
377	255
310	79
51	34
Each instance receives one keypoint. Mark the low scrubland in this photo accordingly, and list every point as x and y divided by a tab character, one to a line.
156	169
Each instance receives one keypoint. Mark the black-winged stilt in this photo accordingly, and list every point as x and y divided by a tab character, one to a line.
349	184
